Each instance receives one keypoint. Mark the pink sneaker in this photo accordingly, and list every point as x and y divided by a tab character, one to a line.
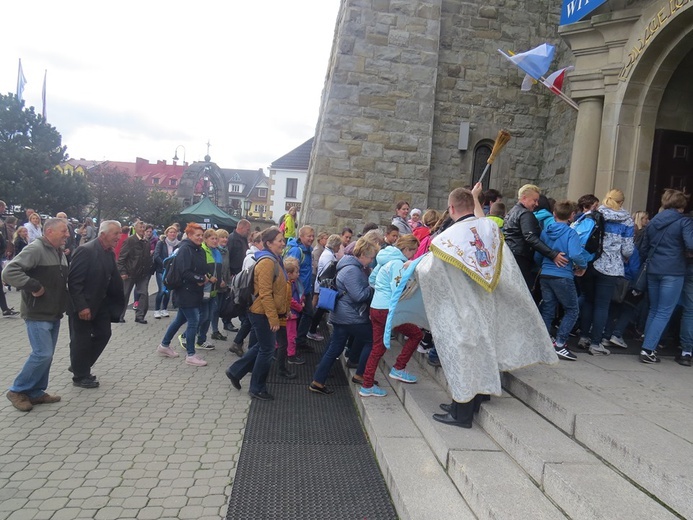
166	351
195	361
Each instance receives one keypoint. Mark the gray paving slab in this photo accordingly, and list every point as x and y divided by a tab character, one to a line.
157	439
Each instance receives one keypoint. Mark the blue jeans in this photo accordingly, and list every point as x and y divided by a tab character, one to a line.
664	292
190	315
33	378
594	313
362	332
206	312
624	315
258	357
687	316
162	296
563	291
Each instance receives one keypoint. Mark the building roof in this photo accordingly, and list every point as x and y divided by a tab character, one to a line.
248	178
296	159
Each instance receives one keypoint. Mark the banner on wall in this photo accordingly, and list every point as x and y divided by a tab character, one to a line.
575	10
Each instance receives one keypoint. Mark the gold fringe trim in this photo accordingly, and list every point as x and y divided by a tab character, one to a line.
488	287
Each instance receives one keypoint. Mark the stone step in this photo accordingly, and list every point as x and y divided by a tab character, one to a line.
528	439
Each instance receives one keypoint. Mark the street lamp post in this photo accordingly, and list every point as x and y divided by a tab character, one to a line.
246	206
175	153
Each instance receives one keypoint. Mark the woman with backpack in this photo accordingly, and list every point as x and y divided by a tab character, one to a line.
164	248
268	312
602	275
189	269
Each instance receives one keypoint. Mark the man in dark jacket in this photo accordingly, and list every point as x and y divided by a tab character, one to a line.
98	299
237	246
522	234
135	268
40	272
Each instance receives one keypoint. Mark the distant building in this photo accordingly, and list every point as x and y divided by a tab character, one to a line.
247	187
287	179
159	176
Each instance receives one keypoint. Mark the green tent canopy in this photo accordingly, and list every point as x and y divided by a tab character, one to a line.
205	209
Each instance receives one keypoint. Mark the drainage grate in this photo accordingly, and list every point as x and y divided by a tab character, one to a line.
306	455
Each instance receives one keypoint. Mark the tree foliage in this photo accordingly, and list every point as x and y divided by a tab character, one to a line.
30	149
162	208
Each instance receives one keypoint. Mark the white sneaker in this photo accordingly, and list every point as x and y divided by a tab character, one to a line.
615	340
164	313
195	361
599	350
157	315
166	351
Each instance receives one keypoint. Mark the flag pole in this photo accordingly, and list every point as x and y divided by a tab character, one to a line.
43	94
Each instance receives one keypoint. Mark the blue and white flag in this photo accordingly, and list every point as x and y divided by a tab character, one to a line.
535	62
21	81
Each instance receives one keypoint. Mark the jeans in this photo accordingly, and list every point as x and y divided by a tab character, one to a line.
362	332
190	315
664	292
624	314
306	320
206	311
412	332
258	357
687	316
563	291
33	378
598	289
162	296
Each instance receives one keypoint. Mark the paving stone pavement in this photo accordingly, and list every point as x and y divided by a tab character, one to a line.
158	439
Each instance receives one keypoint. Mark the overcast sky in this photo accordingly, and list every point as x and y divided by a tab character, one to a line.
133	79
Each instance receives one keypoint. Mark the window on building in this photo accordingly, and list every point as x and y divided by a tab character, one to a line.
173	182
291	188
259	208
235	188
481	154
262	193
155	181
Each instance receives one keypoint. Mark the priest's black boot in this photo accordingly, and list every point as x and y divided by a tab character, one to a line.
460	414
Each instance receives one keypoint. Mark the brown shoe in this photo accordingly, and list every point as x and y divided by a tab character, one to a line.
20	401
45	399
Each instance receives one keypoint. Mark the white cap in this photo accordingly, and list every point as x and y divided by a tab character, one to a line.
415	211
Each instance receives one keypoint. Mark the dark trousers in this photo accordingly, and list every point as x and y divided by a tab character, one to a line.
243	331
317	318
141	285
527	268
306	320
258	357
362	332
88	339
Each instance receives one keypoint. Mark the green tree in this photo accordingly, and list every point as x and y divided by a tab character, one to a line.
114	195
161	208
30	148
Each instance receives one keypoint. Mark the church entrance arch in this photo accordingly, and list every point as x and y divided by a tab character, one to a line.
201	179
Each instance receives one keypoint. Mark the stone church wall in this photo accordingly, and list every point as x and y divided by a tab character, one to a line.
403	74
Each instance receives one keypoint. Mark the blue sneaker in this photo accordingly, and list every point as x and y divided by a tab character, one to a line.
402	375
374	391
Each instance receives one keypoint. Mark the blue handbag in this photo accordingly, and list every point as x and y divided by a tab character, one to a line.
327	298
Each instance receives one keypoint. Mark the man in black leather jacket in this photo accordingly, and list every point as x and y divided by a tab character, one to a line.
522	234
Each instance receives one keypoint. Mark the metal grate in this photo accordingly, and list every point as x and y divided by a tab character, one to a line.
306	455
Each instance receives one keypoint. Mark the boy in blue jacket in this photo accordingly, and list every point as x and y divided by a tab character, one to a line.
557	283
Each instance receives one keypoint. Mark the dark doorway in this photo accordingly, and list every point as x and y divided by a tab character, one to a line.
672	166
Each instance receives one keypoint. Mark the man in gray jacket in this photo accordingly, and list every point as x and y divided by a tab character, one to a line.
40	272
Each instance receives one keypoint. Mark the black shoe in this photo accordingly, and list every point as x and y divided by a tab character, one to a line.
349	364
235	382
295	360
684	361
10	312
141	320
218	335
85	382
304	347
263	396
445	407
320	389
230	328
90	376
359	381
286	374
447	418
237	348
121	320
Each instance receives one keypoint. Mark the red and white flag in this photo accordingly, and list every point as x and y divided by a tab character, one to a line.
555	81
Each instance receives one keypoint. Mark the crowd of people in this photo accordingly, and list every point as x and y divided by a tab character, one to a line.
635	276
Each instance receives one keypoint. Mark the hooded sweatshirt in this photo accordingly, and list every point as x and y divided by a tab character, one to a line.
668	235
389	270
561	237
298	250
618	241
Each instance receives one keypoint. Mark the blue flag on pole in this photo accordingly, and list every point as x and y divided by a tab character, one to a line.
535	62
21	81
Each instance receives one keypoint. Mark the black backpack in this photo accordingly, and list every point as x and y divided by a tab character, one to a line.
328	277
241	294
590	229
171	277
